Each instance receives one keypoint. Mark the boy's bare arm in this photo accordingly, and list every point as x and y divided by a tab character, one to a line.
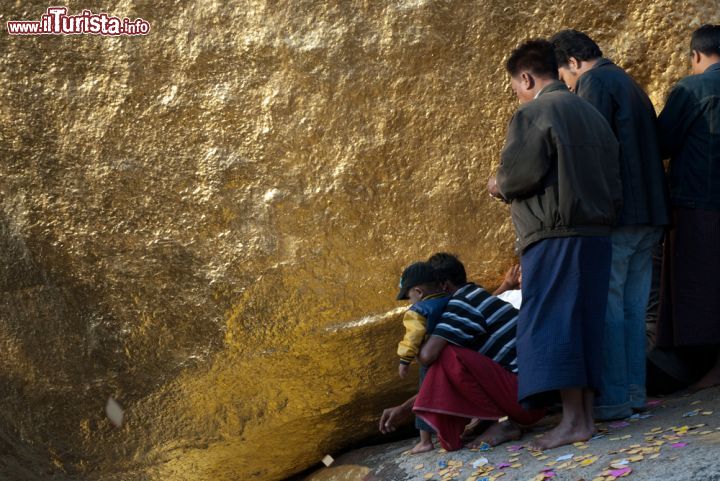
431	350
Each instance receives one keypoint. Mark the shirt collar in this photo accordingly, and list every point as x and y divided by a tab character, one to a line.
555	86
462	291
603	61
437	295
713	68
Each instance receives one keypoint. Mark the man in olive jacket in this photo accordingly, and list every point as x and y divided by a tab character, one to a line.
640	226
560	172
690	135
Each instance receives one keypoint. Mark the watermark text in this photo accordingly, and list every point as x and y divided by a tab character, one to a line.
56	21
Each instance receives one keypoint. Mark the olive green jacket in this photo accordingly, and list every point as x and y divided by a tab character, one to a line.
560	169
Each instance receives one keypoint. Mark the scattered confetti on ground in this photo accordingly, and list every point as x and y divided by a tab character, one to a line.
655	438
666	435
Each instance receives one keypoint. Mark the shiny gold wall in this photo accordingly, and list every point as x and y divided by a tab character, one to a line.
208	223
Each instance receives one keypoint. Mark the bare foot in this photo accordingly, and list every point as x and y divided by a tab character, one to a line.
474	428
564	433
589	401
591	426
422	447
709	380
497	434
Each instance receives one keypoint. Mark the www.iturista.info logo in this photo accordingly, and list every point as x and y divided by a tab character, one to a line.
56	21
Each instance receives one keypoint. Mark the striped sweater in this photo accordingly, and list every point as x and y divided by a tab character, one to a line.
477	320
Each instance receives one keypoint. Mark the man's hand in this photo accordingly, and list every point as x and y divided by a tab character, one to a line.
393	417
512	278
403	370
493	188
390	419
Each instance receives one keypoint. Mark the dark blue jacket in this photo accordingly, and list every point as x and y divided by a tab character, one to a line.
431	309
631	116
690	136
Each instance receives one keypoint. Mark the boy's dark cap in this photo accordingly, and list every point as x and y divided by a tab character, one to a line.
415	275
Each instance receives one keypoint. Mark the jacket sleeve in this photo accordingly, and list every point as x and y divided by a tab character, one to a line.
592	90
677	116
525	159
415	329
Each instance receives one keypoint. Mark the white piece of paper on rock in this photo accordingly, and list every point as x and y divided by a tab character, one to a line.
479	462
327	460
114	412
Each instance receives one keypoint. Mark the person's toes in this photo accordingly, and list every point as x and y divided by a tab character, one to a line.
422	448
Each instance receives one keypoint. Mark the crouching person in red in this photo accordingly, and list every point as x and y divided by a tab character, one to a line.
472	364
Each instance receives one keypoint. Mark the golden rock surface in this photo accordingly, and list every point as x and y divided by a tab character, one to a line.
208	223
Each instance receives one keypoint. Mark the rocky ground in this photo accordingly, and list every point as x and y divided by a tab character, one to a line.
677	439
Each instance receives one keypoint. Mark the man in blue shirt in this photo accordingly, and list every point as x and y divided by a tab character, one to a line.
631	115
689	128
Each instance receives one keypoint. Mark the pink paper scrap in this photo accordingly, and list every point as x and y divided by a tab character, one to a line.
620	472
619	424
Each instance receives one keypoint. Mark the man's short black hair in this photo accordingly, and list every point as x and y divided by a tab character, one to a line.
535	56
706	40
571	43
448	268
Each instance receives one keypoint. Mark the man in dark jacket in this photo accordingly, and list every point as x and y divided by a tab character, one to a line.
559	169
631	115
690	135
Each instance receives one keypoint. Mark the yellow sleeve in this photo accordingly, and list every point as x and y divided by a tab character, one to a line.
415	328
